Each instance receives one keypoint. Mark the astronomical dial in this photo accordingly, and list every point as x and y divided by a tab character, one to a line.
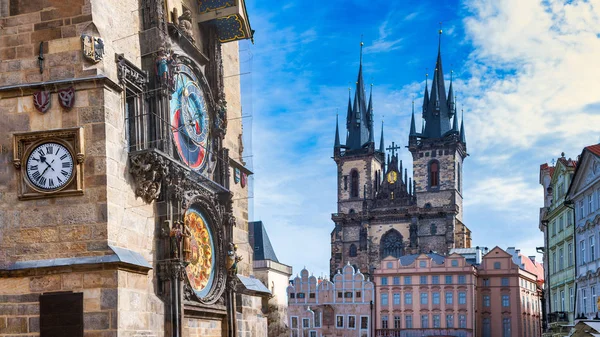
49	166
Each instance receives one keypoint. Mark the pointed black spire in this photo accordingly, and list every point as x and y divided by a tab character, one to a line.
410	190
454	120
413	128
451	98
437	114
370	115
337	133
463	138
425	97
381	147
359	118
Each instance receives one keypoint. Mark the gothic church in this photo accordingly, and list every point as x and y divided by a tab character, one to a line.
381	211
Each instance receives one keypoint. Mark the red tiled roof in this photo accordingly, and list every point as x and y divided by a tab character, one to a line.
535	268
551	171
595	149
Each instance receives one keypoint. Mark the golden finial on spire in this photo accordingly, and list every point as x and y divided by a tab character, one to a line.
440	31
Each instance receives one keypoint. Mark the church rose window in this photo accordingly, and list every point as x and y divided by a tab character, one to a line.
391	244
434	174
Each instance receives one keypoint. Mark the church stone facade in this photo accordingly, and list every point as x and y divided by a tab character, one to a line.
383	212
123	190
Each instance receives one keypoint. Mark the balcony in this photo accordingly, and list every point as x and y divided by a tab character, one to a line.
229	18
558	317
423	332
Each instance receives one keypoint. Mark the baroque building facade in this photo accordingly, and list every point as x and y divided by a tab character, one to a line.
556	221
381	211
583	195
123	198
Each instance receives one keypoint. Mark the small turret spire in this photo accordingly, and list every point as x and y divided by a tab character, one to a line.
337	133
455	120
451	98
381	147
463	138
426	96
413	128
370	114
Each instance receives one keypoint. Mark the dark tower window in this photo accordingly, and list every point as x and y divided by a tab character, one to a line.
458	182
433	229
345	183
434	174
353	252
391	244
354	184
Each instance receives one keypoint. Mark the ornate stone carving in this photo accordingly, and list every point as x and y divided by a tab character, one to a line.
148	169
185	25
130	75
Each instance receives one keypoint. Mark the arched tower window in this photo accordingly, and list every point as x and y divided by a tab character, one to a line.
392	244
353	251
354	184
434	173
458	173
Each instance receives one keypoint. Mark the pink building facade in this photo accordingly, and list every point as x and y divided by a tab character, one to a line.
321	308
425	295
509	295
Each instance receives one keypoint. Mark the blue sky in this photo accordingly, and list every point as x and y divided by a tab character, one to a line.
526	74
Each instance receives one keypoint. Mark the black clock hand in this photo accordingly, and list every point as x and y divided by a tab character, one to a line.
49	167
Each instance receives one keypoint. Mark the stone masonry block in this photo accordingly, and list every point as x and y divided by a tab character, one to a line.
45	283
96	320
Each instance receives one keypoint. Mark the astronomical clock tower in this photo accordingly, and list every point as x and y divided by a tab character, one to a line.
123	194
381	210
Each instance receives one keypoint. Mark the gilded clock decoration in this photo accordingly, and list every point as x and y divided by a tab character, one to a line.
200	270
392	177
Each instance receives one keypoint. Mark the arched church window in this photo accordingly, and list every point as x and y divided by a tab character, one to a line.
433	229
354	184
392	244
353	251
434	173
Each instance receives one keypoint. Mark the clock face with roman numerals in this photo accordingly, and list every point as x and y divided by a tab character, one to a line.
49	166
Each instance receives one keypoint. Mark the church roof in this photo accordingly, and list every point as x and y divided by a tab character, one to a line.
263	250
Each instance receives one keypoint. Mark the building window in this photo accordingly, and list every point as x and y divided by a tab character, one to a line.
505	301
449	321
581	210
317	319
487	327
434	173
462	297
358	294
584	302
339	322
590	203
384	281
435	298
506	327
462	279
459	180
384	322
422	264
397	322
340	294
561	259
593	290
345	183
348	294
312	295
436	321
408	319
305	323
351	322
592	241
396	298
486	300
424	298
582	249
424	321
505	282
449	297
454	263
294	322
448	279
384	299
364	322
555	300
423	279
61	312
433	229
462	321
300	295
354	184
554	262
407	298
571	293
389	265
313	333
496	265
486	282
407	280
561	223
353	251
570	252
292	295
392	244
396	280
553	226
435	279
